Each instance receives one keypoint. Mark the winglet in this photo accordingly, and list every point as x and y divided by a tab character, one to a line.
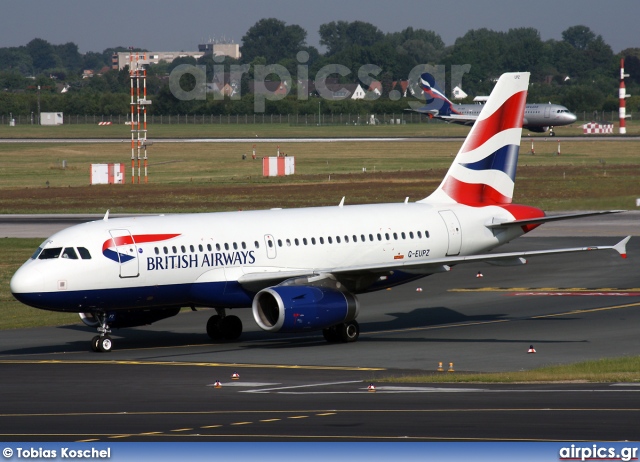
341	202
621	247
106	215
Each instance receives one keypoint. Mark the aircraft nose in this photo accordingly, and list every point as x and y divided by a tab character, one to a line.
27	280
571	117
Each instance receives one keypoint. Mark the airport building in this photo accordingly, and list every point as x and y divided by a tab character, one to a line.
121	59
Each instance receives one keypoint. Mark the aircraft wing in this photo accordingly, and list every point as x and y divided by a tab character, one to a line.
546	219
257	281
454	118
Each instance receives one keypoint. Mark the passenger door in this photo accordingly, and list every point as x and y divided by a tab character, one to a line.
127	251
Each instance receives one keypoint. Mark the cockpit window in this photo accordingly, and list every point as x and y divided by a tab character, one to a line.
36	253
84	253
47	254
69	252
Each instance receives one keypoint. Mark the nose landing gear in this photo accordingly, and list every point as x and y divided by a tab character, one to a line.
102	343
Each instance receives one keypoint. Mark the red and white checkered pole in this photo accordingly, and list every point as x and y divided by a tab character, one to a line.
622	95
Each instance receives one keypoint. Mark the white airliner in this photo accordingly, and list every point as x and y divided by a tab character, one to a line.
299	269
538	117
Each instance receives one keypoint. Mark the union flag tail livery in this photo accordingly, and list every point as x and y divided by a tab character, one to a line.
484	171
298	270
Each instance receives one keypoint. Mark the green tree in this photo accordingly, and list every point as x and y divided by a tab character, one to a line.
273	40
340	35
43	55
578	37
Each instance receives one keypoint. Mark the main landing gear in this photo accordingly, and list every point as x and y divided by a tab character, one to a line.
223	327
102	343
345	332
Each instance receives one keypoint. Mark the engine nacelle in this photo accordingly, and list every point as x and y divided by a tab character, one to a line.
302	308
130	318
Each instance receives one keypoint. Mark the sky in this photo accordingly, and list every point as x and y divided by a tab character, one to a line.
172	25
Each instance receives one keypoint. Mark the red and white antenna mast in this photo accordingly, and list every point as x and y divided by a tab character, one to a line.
622	95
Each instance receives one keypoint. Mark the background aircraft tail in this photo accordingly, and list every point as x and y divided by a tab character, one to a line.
437	102
484	171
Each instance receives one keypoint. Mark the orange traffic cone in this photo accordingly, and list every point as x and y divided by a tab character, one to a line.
531	349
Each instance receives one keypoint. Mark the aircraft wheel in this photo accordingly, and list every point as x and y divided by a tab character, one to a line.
95	341
105	344
552	133
213	327
349	331
330	334
230	327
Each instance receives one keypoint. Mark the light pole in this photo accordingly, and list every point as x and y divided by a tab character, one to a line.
38	104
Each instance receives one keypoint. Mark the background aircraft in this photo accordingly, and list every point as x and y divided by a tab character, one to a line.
298	269
538	117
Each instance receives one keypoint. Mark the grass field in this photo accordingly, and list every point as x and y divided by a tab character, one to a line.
195	177
229	129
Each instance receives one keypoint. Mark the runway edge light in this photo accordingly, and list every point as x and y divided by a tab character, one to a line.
531	349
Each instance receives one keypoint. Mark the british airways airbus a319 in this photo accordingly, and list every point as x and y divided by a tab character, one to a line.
299	270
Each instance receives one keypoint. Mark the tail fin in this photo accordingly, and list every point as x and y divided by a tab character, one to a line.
484	171
437	103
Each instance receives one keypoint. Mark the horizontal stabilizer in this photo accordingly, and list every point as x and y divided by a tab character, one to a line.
546	219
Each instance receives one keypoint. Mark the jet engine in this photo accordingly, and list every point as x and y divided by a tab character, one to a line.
130	318
302	308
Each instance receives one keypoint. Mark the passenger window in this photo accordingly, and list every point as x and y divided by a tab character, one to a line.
256	244
419	235
395	236
47	254
288	241
329	240
304	240
85	255
411	234
184	250
217	247
426	234
313	240
338	239
244	246
297	242
386	235
175	250
209	247
379	237
279	242
165	250
226	246
403	235
322	240
70	253
192	249
269	243
346	239
157	250
200	248
235	246
371	237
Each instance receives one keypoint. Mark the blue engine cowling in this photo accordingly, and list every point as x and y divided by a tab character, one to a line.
302	308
